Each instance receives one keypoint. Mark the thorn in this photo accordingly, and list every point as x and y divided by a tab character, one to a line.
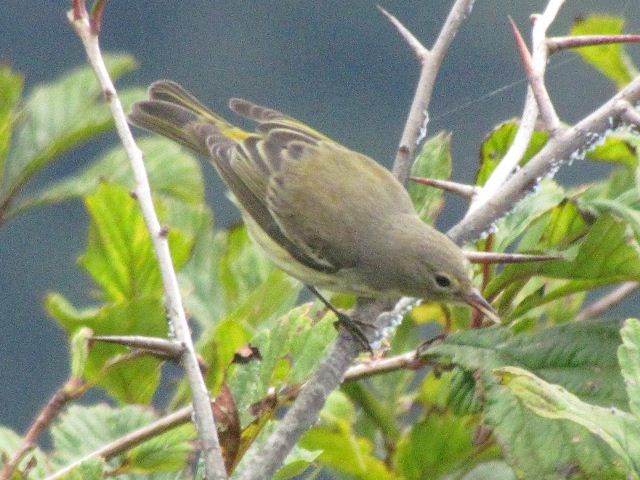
556	44
418	49
467	191
499	257
536	82
154	344
96	16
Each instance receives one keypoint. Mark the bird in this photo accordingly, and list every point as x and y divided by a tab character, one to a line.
331	217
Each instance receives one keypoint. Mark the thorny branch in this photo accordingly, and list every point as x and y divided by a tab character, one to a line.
87	28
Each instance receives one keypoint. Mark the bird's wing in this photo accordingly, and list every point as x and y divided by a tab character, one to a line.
319	193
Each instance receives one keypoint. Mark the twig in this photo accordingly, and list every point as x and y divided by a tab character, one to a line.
419	50
409	360
500	257
462	189
214	463
415	128
608	301
168	348
72	389
536	82
131	439
568	144
629	114
529	117
556	44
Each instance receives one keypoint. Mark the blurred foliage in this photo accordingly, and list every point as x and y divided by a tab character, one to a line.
542	396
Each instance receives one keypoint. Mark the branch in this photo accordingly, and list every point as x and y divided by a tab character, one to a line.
72	389
536	82
499	257
571	143
462	189
169	348
556	44
605	303
214	463
131	439
415	128
518	147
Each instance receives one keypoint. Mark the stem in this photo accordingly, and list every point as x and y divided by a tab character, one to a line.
203	416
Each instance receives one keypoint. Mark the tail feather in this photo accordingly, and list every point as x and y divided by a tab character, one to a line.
170	120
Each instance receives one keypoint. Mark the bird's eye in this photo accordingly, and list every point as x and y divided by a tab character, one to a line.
443	281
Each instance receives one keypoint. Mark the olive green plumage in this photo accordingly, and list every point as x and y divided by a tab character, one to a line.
327	215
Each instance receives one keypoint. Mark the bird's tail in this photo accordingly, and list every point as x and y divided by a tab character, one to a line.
175	113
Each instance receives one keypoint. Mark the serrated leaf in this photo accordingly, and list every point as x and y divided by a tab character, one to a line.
494	470
434	446
433	161
290	350
167	452
89	469
134	380
223	270
337	440
296	462
629	358
119	254
606	255
173	173
580	357
614	149
610	59
497	143
11	85
82	430
564	354
526	212
619	429
9	444
57	117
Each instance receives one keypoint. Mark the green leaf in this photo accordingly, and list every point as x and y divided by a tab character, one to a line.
337	440
290	351
494	470
134	380
167	452
525	213
433	161
296	462
82	430
581	357
90	469
10	91
629	358
57	117
564	354
9	444
614	149
173	173
434	446
119	253
223	270
619	429
605	256
497	143
79	350
610	59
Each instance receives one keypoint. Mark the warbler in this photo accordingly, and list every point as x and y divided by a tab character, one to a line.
331	217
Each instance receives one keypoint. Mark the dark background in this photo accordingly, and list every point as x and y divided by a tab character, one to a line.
336	65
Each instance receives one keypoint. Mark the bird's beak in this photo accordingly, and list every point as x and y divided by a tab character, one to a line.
478	302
